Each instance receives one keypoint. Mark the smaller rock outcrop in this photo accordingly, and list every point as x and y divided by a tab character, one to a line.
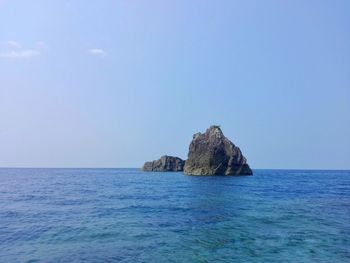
165	164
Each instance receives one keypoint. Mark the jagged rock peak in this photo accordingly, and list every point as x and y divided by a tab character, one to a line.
211	153
215	130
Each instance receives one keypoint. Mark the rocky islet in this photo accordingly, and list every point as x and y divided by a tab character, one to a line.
210	153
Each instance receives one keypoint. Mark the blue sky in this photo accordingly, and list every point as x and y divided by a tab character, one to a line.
116	83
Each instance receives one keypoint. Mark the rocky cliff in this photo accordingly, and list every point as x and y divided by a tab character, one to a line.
211	153
165	164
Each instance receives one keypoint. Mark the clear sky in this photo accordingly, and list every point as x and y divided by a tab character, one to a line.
116	83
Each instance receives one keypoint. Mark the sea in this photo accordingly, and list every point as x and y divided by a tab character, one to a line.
126	215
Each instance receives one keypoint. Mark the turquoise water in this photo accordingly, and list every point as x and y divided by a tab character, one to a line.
124	215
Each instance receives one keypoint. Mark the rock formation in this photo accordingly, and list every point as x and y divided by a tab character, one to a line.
211	153
165	164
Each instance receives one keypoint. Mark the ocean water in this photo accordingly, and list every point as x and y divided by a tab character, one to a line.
125	215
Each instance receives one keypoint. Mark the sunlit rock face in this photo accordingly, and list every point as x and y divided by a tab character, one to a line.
165	164
211	153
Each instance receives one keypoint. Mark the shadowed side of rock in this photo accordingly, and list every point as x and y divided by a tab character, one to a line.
165	164
211	153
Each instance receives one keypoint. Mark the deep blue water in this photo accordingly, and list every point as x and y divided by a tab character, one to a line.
124	215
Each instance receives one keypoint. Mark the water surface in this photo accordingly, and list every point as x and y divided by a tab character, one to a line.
124	215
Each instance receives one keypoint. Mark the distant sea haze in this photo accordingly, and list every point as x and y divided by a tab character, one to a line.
126	215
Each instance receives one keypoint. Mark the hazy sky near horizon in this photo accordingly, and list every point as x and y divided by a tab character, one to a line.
116	83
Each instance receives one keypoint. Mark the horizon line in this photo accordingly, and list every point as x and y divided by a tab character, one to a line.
292	169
